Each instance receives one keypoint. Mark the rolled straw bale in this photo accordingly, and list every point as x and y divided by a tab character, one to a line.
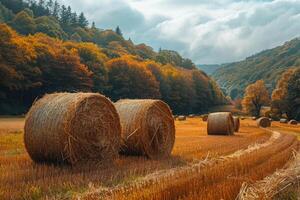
293	122
263	122
283	121
191	116
204	118
254	118
220	123
72	127
181	118
147	127
242	118
236	121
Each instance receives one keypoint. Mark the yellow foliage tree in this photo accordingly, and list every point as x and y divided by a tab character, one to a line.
256	96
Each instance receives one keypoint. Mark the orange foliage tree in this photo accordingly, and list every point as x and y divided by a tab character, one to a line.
279	104
129	78
256	95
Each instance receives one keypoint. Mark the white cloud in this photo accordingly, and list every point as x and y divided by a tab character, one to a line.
207	31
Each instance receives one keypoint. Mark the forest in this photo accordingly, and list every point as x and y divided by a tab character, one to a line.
46	47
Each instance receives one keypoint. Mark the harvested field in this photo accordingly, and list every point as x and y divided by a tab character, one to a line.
201	166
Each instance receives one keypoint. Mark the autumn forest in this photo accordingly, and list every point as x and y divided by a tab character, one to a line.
46	47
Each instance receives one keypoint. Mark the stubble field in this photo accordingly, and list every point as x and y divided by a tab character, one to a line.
201	166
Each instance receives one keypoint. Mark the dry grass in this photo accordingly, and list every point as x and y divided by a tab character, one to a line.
20	178
274	185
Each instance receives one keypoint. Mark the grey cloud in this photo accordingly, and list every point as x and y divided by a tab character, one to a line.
207	31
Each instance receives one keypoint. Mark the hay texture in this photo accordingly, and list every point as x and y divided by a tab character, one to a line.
181	118
283	121
236	121
147	127
220	123
72	127
263	122
293	122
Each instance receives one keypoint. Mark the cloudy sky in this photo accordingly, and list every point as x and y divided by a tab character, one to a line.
207	31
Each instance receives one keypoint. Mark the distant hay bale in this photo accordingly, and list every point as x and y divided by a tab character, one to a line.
293	122
236	121
181	118
254	118
242	118
263	122
147	127
283	121
191	116
204	118
220	123
72	127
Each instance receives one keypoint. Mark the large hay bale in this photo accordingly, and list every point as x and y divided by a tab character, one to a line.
220	123
147	127
254	118
72	127
263	122
293	122
283	121
236	121
181	118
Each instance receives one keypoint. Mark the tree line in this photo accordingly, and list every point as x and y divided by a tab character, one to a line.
284	100
37	64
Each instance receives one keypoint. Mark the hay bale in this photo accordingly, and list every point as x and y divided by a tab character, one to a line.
236	121
283	121
254	118
220	123
204	118
242	118
293	122
263	122
72	127
191	116
181	118
147	127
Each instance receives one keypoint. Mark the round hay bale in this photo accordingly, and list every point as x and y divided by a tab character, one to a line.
204	118
263	122
72	127
254	118
283	121
220	123
293	122
147	127
236	121
242	118
191	116
181	118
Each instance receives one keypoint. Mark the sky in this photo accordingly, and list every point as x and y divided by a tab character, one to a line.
206	31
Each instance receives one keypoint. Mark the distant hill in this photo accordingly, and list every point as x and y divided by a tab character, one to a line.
267	65
209	69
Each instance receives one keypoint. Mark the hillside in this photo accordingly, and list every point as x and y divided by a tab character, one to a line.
46	47
267	65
